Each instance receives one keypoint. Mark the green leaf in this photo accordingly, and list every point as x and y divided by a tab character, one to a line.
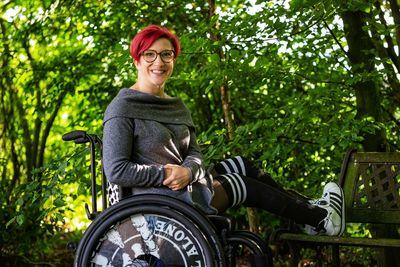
10	222
59	202
20	219
214	58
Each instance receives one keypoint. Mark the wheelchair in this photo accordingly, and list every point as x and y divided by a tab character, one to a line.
159	231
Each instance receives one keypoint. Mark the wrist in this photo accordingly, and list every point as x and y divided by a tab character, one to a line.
189	174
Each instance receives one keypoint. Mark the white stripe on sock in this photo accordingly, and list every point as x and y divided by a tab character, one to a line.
241	163
233	164
237	187
226	167
243	186
234	192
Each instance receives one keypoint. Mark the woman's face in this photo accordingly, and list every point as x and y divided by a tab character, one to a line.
153	75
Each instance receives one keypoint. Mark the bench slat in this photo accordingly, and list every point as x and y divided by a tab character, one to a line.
346	241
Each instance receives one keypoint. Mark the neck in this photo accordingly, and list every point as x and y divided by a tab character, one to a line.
157	90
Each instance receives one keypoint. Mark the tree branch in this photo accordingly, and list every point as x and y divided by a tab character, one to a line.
390	49
49	124
396	18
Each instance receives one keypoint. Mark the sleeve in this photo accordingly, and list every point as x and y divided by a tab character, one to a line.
118	143
194	159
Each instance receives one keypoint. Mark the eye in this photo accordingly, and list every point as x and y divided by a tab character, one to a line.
167	53
149	54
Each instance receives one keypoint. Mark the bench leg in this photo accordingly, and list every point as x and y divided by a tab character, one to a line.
335	256
320	255
294	250
261	261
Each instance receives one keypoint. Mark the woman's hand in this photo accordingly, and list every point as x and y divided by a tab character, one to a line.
176	177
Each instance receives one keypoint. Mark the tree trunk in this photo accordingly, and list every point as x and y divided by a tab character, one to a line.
362	61
368	102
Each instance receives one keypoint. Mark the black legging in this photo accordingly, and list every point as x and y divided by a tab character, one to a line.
248	185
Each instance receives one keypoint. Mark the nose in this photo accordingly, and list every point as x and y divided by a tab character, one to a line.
158	60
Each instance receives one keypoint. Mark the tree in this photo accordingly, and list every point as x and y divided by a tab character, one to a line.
281	84
364	47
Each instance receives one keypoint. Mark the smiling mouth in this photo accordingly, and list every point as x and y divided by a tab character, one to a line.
158	71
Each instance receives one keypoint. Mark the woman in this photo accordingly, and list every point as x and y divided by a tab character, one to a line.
150	146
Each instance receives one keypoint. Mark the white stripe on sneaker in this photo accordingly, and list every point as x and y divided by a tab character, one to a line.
336	202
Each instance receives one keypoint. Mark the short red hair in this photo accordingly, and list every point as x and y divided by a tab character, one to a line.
146	37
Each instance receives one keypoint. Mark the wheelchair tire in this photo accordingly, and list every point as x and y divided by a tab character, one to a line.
150	230
260	243
247	249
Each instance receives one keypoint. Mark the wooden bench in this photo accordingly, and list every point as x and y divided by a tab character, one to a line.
370	181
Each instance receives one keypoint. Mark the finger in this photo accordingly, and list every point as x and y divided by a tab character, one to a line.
168	180
168	177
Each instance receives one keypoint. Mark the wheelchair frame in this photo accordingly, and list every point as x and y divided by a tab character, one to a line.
155	230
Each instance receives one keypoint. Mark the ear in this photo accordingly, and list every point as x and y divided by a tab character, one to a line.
136	62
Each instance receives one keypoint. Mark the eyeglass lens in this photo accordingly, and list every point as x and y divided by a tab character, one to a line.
151	55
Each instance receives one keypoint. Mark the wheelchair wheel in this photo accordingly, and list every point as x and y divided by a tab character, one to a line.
150	230
247	249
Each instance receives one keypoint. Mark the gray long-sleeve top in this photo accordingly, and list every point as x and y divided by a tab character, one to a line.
142	133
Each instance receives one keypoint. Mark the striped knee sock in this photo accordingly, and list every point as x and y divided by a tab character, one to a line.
253	193
230	165
246	168
234	186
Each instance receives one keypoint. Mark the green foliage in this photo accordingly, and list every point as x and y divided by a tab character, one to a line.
38	218
286	68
